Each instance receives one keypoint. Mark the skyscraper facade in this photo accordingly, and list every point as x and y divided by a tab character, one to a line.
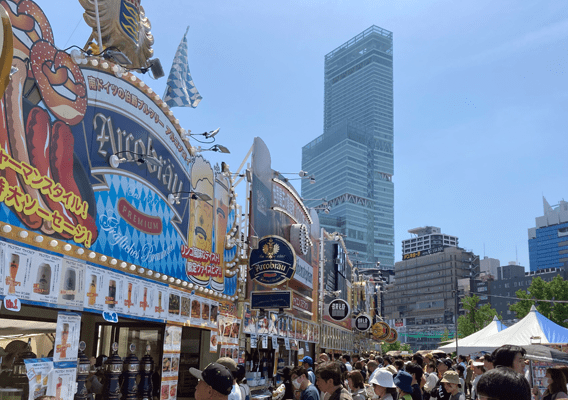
353	159
548	240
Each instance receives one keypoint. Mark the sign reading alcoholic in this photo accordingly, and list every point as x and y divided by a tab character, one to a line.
338	310
274	262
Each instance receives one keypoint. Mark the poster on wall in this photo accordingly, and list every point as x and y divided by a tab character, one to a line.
170	362
67	334
213	315
45	270
38	372
71	284
94	297
61	383
17	262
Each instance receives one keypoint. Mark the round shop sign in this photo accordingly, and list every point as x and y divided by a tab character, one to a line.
338	310
362	322
393	336
273	262
381	330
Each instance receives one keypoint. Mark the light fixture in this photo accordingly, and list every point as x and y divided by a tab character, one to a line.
117	56
8	229
207	135
174	198
217	148
80	251
67	247
23	234
53	243
114	160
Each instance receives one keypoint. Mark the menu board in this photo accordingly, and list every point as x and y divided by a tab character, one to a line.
113	290
94	298
67	335
170	362
18	266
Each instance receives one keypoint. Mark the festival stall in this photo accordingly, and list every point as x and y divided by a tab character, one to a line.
110	226
494	327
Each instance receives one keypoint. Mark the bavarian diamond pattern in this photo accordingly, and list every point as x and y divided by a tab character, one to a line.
180	89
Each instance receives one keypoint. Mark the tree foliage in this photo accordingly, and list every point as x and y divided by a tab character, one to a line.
445	336
396	346
475	318
538	293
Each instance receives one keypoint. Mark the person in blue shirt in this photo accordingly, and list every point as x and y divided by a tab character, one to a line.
308	363
301	382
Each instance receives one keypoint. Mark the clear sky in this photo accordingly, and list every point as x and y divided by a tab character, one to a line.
480	91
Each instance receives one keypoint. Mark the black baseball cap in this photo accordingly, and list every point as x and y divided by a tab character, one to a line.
217	376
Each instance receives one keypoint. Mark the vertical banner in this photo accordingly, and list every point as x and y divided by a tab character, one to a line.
170	362
67	335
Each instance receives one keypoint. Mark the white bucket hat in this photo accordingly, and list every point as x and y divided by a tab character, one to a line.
383	378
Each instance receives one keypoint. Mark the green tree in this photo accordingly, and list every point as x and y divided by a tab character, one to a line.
475	318
543	295
396	346
446	336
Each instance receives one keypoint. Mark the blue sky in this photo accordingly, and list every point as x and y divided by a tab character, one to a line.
480	89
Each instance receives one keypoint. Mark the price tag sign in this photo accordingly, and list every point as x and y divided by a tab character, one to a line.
253	341
274	342
265	342
287	343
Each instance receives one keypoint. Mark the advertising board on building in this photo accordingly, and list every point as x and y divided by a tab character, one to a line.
274	262
338	310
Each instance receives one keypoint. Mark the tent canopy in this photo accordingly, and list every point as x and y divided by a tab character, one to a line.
494	327
533	325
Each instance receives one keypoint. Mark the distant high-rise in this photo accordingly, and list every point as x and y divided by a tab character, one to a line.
548	240
353	159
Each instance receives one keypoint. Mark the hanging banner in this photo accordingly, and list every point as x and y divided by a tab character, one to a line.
67	335
274	262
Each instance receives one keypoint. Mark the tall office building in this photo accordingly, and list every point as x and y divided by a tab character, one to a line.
548	240
353	159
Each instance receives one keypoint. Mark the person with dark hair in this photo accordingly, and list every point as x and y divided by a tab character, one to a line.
418	359
431	380
301	381
399	365
387	360
564	369
510	356
328	379
356	385
359	367
416	372
439	391
555	383
287	381
213	383
355	358
461	370
487	362
503	384
462	360
242	382
478	371
468	378
346	359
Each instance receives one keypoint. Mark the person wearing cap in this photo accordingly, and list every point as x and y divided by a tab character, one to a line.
383	384
231	365
451	381
308	363
328	379
439	392
215	382
301	382
478	370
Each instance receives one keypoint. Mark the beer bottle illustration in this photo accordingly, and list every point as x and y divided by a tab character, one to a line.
11	280
111	293
92	290
69	283
43	281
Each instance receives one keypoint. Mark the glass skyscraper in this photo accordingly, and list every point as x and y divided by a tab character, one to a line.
548	240
353	159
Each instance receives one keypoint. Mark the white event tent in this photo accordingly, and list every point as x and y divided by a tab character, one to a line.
533	325
491	329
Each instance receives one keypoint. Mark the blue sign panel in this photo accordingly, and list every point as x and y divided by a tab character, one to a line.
273	262
271	300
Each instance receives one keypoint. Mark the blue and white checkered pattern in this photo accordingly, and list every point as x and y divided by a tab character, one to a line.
180	89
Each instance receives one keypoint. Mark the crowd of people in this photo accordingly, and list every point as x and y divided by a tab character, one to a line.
501	375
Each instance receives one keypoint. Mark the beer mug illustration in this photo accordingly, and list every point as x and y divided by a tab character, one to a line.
69	284
64	338
200	222
43	281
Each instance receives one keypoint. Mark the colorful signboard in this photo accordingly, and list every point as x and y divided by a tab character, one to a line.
56	178
274	262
